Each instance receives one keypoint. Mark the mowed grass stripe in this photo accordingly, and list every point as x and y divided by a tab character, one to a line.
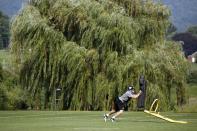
90	121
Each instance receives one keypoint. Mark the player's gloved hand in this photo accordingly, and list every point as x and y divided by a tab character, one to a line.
141	88
140	92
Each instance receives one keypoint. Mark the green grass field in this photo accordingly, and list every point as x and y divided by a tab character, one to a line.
91	121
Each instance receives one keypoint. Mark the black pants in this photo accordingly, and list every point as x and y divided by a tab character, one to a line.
118	104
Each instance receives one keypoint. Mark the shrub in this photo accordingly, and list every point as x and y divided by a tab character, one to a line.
12	96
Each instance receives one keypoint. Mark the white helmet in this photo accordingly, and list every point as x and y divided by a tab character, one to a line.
130	88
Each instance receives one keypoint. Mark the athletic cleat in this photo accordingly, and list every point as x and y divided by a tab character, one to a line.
112	119
105	117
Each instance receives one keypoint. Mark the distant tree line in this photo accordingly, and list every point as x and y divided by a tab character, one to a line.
4	31
188	39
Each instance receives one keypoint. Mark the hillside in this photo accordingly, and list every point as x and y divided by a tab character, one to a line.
183	13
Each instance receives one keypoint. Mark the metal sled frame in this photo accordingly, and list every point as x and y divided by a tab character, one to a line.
155	113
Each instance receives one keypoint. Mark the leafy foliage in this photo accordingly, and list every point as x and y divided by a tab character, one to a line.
93	49
11	94
193	30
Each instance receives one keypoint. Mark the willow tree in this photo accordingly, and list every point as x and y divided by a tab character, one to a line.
94	49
